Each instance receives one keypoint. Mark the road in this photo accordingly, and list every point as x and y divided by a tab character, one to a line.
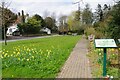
27	38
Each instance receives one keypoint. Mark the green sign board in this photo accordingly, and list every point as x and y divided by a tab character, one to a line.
105	43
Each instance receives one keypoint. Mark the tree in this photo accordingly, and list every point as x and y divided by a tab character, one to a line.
106	12
50	23
72	22
53	16
39	18
33	26
77	15
23	17
114	24
63	26
87	15
99	12
8	18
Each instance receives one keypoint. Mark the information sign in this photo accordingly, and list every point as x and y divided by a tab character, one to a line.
105	43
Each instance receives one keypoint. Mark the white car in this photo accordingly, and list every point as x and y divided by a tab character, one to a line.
11	30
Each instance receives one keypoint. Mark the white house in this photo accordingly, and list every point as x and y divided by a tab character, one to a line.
12	29
47	30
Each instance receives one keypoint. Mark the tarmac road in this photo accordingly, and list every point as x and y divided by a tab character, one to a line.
18	38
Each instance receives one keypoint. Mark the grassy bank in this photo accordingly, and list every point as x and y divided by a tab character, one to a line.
36	58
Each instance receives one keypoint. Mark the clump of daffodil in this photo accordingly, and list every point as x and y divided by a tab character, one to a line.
18	53
27	59
18	58
33	57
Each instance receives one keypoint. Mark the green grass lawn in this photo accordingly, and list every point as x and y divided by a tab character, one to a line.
36	58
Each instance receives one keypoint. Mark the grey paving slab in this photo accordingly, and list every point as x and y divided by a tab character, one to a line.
77	65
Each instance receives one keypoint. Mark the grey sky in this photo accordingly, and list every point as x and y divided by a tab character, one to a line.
59	7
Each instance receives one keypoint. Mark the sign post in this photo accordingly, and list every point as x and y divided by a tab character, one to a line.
105	43
104	61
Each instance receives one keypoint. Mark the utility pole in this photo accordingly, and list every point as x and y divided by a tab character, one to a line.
79	9
78	5
3	22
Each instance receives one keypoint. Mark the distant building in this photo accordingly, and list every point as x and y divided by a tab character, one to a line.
19	18
14	28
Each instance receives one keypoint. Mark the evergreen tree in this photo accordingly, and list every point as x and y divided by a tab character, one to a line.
114	24
87	15
23	17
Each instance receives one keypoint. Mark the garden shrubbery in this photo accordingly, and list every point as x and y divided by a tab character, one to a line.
89	31
26	28
33	26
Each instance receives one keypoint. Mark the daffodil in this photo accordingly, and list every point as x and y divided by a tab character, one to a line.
18	53
14	52
112	50
27	59
1	56
18	58
33	57
113	54
22	59
100	54
2	52
5	55
11	54
47	50
8	56
12	75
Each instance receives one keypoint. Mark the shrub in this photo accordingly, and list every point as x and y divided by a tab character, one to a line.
89	31
98	34
26	28
31	27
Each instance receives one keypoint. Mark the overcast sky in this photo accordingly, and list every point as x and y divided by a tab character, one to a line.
59	7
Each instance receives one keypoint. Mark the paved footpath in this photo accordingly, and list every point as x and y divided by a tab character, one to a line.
77	65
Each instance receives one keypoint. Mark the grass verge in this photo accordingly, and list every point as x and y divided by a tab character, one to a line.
36	58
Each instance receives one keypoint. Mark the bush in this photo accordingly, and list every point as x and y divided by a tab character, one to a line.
26	28
31	27
89	31
80	31
98	35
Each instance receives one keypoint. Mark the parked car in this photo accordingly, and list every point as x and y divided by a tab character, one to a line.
16	33
13	30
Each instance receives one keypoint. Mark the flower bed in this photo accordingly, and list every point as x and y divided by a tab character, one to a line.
96	61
